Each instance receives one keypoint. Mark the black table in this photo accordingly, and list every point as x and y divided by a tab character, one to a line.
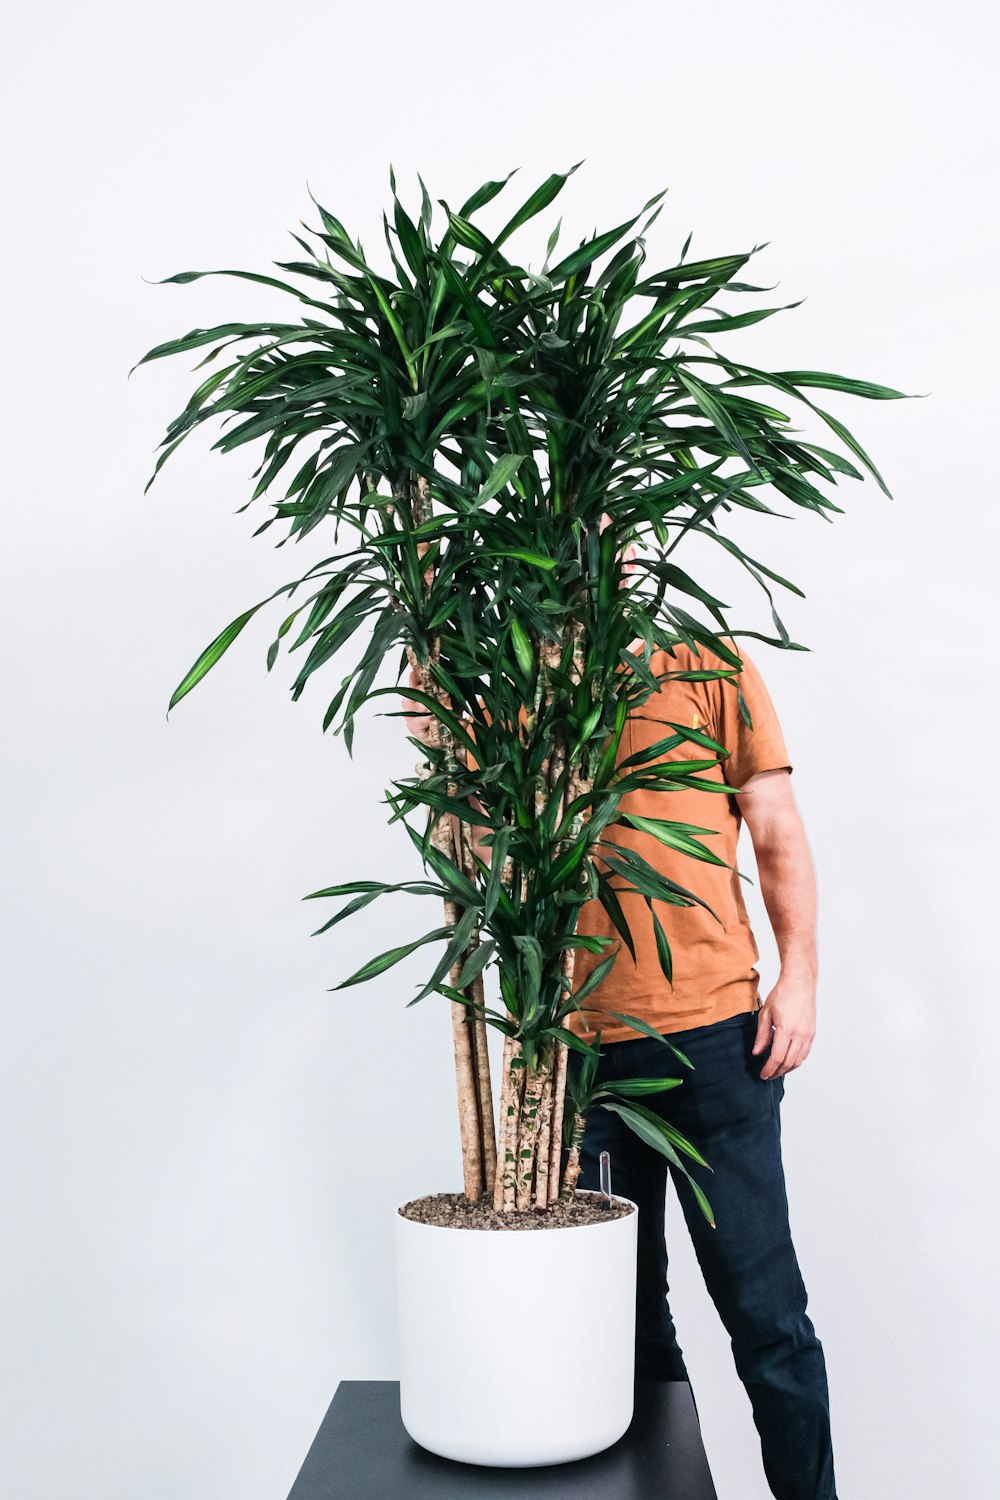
363	1452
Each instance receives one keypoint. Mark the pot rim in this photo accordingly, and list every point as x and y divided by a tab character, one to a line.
553	1229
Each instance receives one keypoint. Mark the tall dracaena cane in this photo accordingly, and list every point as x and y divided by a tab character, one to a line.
509	415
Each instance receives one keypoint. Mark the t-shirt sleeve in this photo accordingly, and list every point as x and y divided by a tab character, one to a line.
761	748
469	725
470	760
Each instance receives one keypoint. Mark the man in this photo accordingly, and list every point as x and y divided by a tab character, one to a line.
742	1049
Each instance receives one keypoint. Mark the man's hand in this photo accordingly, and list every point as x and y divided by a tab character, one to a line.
791	1009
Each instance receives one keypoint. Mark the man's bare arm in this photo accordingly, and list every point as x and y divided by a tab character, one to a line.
788	886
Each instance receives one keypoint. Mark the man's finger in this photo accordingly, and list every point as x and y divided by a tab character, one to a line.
779	1050
792	1058
802	1052
763	1031
797	1053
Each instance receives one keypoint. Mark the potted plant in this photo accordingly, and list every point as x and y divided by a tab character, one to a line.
495	442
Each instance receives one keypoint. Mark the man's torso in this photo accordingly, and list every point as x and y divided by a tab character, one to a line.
712	961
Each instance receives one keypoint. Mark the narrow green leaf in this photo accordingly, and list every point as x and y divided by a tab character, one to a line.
672	1134
843	383
391	956
634	1088
611	904
501	474
211	654
475	963
534	558
638	1024
709	404
459	941
665	833
522	647
596	976
641	1121
569	1039
357	904
663	953
648	881
540	198
588	253
422	887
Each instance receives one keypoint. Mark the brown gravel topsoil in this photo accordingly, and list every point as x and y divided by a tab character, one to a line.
456	1211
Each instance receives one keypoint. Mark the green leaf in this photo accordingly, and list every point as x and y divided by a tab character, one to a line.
540	198
529	967
611	904
496	894
220	646
648	881
183	277
522	648
485	332
690	735
667	833
671	1133
444	715
211	654
422	886
596	976
556	875
459	884
588	253
501	474
710	406
485	194
662	946
569	1039
392	956
420	794
632	1088
656	1133
678	579
638	1024
475	963
409	242
357	904
459	940
843	383
534	558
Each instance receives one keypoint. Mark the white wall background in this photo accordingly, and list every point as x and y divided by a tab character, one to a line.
202	1146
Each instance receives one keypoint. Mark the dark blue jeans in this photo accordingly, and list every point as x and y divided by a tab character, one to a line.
731	1115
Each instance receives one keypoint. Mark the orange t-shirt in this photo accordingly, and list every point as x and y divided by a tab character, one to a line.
713	965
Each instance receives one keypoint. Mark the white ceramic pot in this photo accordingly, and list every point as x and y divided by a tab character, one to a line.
517	1347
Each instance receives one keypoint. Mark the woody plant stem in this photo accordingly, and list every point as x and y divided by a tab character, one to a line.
468	1023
